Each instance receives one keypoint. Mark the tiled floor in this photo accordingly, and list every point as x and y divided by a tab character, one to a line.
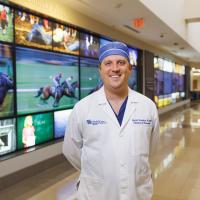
176	166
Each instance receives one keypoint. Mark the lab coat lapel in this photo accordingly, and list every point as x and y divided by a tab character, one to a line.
102	101
130	108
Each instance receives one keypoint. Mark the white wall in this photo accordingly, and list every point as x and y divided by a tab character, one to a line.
171	12
192	9
174	13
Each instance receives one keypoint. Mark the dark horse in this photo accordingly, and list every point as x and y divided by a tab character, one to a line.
5	84
57	93
100	84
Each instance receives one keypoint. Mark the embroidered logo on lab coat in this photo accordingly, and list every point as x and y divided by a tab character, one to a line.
95	122
142	121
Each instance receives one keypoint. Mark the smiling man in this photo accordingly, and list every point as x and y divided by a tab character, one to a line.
111	134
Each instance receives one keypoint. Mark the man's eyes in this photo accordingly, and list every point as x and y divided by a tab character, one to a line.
120	62
108	63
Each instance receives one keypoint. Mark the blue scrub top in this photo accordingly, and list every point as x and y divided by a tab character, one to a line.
122	109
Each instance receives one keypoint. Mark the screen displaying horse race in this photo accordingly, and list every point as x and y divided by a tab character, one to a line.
167	88
6	81
34	129
60	122
45	80
32	30
6	23
7	136
175	78
90	78
159	82
181	83
65	39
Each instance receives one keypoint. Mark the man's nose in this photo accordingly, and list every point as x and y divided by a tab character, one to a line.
115	67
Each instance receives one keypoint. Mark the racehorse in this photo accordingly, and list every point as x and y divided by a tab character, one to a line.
57	93
5	84
100	84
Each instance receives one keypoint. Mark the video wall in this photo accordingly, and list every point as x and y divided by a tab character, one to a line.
169	85
45	68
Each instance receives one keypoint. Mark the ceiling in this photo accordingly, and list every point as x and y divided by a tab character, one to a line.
120	13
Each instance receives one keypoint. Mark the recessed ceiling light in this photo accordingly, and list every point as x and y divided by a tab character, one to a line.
119	5
175	43
162	35
181	48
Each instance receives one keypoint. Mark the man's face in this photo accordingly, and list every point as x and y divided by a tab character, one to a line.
115	71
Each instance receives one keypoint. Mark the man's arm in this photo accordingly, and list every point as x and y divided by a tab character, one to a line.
155	133
72	145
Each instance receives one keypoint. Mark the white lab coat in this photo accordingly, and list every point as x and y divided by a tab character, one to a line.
113	159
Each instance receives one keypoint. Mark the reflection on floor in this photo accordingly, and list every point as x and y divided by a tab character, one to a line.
176	166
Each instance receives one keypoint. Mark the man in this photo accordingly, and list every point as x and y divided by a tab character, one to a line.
111	134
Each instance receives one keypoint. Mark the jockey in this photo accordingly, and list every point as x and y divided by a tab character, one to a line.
57	83
4	76
56	79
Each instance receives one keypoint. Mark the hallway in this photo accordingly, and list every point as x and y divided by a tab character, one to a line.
175	165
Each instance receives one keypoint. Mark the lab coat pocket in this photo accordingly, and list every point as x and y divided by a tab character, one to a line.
140	140
90	188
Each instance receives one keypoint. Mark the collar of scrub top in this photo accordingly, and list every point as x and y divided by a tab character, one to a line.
122	109
130	106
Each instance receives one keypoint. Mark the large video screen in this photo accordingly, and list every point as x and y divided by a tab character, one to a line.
167	82
7	136
34	129
104	41
159	82
132	82
32	30
90	78
45	80
181	83
60	122
89	45
65	39
6	23
6	81
175	82
133	55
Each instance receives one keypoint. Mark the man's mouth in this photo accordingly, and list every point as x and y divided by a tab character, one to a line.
115	76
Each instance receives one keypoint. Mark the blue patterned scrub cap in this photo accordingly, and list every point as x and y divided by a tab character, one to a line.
113	48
